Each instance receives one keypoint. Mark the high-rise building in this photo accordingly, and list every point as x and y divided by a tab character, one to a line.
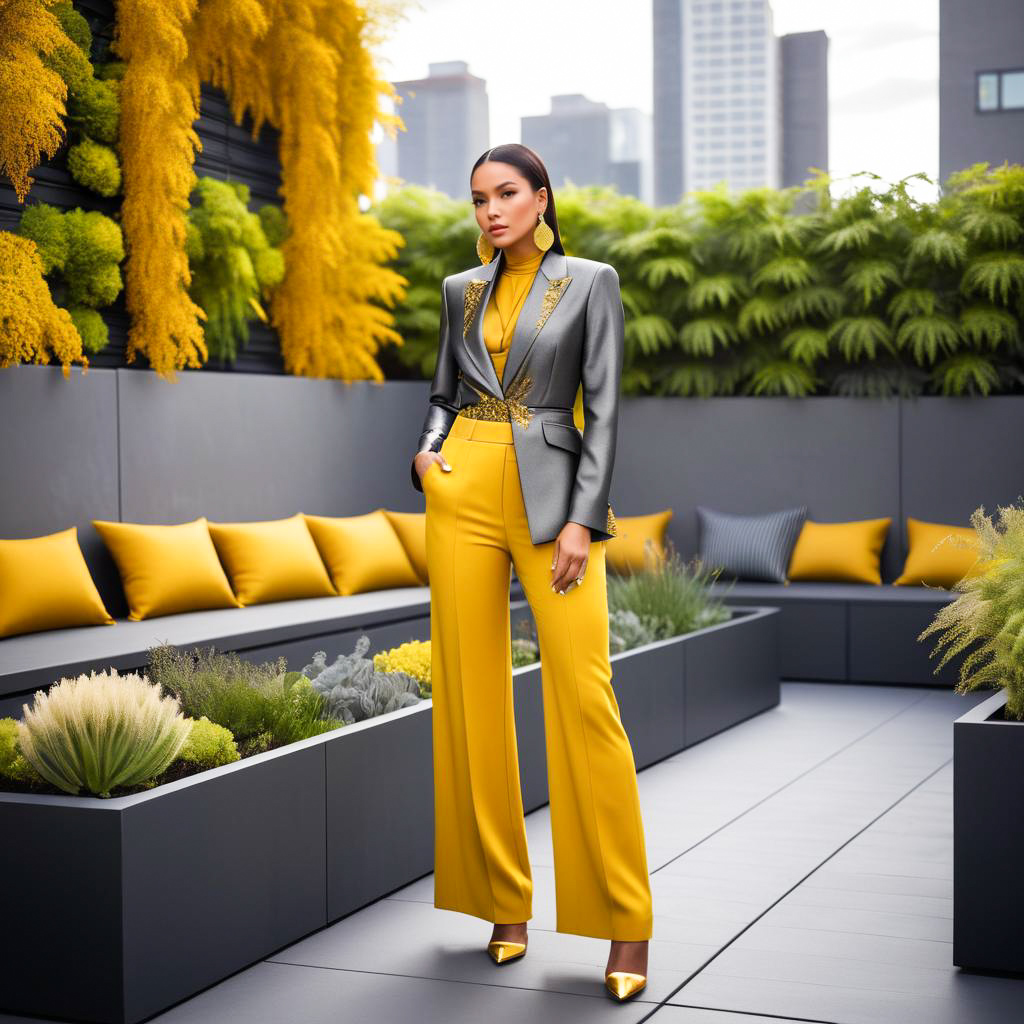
589	143
447	127
981	83
804	105
632	153
720	98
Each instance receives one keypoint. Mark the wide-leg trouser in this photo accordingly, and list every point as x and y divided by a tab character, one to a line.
476	530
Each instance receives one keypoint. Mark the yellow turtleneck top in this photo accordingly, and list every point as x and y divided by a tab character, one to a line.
503	309
507	298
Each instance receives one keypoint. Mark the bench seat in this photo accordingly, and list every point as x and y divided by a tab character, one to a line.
851	632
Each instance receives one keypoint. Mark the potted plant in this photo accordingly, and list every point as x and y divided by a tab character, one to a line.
988	747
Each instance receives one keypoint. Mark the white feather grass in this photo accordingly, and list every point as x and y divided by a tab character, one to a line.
102	730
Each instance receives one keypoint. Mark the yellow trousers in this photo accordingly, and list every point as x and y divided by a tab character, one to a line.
476	530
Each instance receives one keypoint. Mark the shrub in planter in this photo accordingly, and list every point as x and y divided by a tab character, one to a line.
989	611
669	597
524	651
13	765
988	746
626	629
99	731
263	705
209	745
354	690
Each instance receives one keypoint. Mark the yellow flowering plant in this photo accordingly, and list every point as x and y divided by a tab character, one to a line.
412	657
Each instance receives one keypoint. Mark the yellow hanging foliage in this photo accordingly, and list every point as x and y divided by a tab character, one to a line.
32	111
31	326
303	66
159	102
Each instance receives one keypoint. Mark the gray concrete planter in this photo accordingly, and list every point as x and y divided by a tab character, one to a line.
117	909
988	839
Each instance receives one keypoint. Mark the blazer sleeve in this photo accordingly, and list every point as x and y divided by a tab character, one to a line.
601	375
442	409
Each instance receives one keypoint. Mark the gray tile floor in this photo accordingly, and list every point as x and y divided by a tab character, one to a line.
802	868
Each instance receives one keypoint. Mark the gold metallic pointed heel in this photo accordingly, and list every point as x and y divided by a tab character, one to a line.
624	985
502	950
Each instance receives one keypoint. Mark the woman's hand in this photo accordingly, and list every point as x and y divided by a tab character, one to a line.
423	461
572	550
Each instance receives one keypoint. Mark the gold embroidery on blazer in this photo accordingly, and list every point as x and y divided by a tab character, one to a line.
474	293
510	408
554	291
513	406
610	525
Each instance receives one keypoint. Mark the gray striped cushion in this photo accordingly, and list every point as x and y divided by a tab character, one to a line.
750	547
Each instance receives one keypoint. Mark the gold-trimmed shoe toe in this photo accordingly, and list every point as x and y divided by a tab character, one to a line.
624	985
502	950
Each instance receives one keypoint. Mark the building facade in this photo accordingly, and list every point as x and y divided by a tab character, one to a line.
447	124
981	83
733	102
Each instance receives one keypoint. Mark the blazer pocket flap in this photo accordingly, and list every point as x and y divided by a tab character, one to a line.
563	435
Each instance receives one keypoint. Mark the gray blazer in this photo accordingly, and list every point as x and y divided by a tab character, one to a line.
570	328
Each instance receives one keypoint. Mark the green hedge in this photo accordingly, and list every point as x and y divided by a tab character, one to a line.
776	292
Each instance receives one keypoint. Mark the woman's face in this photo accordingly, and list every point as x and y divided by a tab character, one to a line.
506	206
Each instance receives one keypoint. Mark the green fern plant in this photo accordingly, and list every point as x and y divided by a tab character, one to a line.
989	613
99	731
986	208
761	292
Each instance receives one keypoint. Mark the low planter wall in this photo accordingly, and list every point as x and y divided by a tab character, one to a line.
988	839
671	693
117	909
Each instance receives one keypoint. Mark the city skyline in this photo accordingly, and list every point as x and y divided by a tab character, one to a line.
883	70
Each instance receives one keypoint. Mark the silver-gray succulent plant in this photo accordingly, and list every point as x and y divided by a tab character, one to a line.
354	690
626	630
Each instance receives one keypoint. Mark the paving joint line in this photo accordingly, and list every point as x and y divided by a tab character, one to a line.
792	781
796	885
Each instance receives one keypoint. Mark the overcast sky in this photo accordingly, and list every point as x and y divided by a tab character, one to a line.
883	66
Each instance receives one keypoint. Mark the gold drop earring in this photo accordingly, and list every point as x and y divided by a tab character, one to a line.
543	236
484	249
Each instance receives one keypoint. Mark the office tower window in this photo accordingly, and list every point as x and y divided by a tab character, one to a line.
1001	90
1013	90
988	91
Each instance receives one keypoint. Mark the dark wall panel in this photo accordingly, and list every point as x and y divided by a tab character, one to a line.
245	447
837	456
58	461
959	453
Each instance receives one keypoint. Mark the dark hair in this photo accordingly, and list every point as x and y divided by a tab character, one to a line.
526	161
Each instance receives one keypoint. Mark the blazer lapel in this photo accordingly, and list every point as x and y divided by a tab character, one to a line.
547	288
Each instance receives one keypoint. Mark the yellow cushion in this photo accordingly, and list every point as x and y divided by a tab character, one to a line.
271	560
411	528
362	552
45	584
625	552
839	552
944	566
166	568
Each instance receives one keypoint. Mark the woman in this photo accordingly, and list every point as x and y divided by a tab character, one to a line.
516	484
